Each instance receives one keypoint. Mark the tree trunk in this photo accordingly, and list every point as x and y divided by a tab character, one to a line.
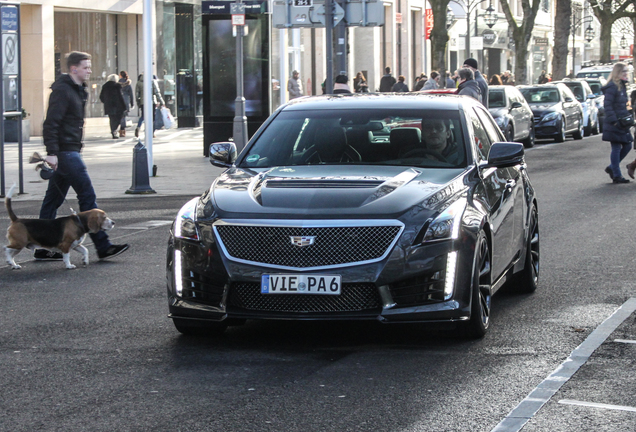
439	39
521	53
561	37
606	39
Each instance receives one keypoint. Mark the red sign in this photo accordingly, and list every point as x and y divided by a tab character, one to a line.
398	18
428	23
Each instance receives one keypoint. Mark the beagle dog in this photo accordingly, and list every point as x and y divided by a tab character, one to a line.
59	235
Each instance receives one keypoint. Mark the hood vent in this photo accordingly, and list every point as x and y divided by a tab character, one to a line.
321	183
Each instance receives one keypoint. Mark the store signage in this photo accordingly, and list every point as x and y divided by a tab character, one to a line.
490	37
223	7
428	22
541	41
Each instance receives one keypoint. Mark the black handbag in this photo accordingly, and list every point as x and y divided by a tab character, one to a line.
626	121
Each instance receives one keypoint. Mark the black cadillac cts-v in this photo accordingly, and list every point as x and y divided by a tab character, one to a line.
393	207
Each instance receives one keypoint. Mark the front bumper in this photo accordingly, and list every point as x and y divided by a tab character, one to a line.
407	286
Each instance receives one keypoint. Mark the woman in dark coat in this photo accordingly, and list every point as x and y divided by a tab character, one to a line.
114	104
619	136
129	99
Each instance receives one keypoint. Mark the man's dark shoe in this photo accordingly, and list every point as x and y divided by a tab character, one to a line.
112	251
608	170
620	180
46	255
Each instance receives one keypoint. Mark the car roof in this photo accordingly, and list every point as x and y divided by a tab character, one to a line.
380	101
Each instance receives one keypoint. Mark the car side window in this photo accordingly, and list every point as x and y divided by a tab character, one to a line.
482	141
491	128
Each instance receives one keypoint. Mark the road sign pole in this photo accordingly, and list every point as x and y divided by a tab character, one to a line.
240	119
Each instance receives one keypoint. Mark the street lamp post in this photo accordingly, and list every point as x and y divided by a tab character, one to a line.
589	35
469	6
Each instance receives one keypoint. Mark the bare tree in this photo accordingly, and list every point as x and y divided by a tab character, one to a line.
521	34
439	38
561	35
608	11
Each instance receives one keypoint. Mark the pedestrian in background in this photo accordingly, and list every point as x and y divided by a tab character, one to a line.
387	81
157	101
129	99
433	82
360	83
450	82
467	84
614	131
114	104
421	82
483	85
62	135
400	85
507	78
294	86
495	80
341	85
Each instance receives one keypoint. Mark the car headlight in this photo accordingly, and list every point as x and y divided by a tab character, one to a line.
550	116
184	225
446	225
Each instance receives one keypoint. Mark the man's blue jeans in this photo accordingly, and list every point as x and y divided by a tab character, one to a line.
619	151
71	172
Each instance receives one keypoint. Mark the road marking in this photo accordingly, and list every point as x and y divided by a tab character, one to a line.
597	405
625	341
174	135
147	225
527	408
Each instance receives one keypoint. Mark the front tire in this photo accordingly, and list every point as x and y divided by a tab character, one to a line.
479	322
529	142
561	136
510	134
528	279
579	133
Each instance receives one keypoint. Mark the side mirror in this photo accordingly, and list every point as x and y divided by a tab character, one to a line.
568	99
222	154
505	154
515	105
591	96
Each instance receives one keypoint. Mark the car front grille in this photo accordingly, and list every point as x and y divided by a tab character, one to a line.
353	298
272	245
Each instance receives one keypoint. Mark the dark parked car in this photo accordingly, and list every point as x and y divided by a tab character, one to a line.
584	94
556	111
512	114
396	208
596	84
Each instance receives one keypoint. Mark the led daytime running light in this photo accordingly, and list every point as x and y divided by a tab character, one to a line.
451	267
178	273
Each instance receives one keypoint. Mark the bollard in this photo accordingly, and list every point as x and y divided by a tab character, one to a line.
140	180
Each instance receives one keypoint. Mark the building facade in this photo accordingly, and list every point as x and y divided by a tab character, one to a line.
111	30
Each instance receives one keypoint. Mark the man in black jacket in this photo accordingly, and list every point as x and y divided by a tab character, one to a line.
467	84
62	134
483	85
387	81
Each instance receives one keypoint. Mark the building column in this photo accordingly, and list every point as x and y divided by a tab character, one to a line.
38	61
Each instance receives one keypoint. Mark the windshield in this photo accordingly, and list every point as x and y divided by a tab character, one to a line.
540	95
577	89
421	138
604	74
496	99
596	88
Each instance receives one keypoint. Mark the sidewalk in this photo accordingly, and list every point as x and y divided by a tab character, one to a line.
178	153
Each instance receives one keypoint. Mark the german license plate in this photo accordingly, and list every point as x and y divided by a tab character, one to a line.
300	284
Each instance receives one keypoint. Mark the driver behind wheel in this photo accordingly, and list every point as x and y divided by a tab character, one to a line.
437	137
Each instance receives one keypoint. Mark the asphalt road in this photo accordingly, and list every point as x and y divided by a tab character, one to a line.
92	349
